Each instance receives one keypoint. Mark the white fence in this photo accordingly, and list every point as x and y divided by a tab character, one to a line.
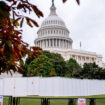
53	86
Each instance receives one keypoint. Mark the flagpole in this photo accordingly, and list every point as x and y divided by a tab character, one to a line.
80	45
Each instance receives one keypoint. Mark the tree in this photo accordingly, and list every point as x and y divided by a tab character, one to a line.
41	66
92	71
52	73
73	68
58	63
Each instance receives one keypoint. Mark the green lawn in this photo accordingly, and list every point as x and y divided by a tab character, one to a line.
57	101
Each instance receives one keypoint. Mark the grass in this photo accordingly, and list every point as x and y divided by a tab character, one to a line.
25	101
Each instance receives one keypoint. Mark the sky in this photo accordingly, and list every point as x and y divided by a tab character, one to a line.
86	23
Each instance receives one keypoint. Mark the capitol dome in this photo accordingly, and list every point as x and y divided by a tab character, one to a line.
53	33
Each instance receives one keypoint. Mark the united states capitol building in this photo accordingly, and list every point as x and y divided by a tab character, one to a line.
54	36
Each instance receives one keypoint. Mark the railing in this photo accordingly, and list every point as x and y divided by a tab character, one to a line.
48	101
7	100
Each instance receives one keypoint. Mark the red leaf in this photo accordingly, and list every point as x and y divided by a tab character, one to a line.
31	20
10	0
28	22
37	11
64	1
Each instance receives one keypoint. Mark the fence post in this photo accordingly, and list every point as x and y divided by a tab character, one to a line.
46	101
14	101
92	101
43	101
70	102
10	100
17	101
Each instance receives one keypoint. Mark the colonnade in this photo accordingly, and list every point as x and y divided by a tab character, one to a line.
54	43
81	59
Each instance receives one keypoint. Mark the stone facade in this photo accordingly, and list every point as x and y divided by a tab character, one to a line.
53	36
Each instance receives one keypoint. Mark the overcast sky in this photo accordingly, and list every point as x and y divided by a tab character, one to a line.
86	23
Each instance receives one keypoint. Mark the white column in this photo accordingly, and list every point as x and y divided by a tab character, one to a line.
42	43
49	43
55	43
59	43
62	43
67	44
46	43
39	43
52	42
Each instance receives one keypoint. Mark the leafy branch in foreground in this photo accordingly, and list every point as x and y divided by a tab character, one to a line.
12	48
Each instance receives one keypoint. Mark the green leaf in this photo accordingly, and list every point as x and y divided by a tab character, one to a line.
16	21
8	55
8	43
21	62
